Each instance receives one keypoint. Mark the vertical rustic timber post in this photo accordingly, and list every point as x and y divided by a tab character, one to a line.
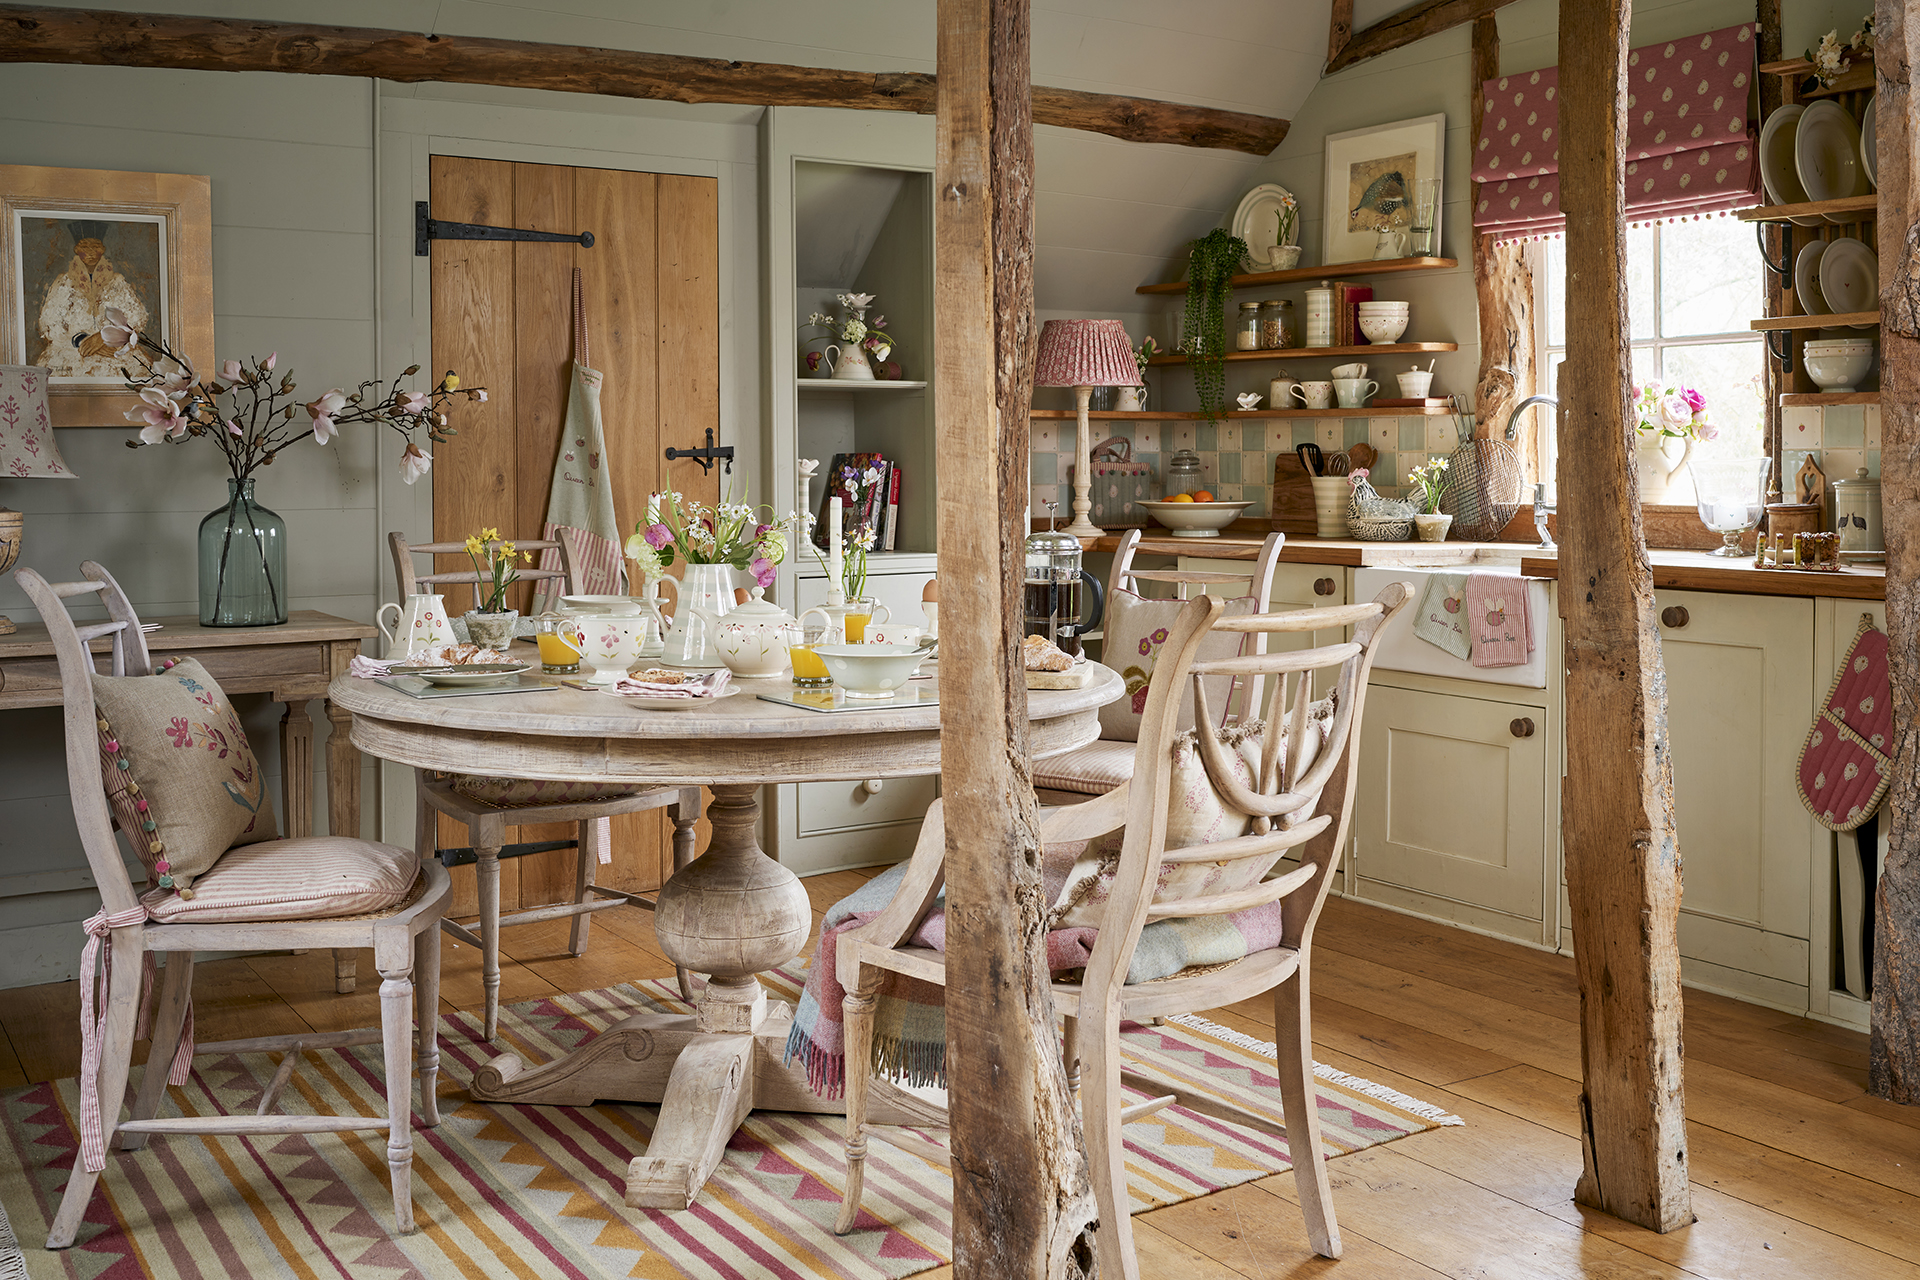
1503	287
1893	1069
1623	861
1775	289
1022	1203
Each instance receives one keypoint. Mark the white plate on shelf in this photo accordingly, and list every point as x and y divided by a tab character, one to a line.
1870	143
1806	279
1253	221
1776	159
1826	153
1850	277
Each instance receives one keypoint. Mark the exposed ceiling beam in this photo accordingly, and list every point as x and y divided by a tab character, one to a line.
1415	22
1339	27
100	37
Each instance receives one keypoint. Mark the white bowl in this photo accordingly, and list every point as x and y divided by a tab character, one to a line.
871	670
1196	519
1383	328
1836	371
623	606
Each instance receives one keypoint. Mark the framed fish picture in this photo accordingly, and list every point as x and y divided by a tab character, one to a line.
1372	177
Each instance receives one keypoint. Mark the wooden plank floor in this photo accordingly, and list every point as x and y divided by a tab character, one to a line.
1796	1171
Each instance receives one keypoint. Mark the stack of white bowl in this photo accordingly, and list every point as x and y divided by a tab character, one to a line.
1838	364
1383	321
1320	316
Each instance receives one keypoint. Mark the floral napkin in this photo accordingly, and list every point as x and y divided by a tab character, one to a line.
705	684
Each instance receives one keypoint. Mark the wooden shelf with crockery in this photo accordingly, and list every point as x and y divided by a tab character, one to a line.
857	384
1311	275
1804	399
1868	204
1341	353
1837	320
1152	415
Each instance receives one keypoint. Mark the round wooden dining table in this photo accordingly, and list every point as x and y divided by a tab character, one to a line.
731	913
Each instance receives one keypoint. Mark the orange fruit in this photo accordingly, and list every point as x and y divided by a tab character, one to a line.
1181	497
1203	496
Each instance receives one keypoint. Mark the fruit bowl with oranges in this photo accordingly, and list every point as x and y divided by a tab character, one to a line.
1195	515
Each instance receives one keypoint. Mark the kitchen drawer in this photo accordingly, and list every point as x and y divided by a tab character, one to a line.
840	806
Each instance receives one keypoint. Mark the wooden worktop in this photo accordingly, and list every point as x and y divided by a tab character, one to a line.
1681	570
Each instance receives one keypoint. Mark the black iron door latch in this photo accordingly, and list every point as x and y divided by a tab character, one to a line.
707	456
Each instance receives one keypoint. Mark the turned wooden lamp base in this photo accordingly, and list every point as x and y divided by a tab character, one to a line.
731	914
12	525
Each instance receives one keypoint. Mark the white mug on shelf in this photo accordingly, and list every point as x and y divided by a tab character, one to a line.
1314	395
1353	392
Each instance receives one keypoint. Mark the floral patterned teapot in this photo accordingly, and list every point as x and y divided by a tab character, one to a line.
754	639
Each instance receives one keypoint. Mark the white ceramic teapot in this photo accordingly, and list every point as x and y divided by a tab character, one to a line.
754	639
422	621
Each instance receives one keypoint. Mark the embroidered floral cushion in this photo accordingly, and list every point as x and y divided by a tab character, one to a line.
1136	626
308	878
179	774
524	793
1196	814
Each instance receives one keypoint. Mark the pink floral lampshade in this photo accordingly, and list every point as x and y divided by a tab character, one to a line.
1085	353
27	450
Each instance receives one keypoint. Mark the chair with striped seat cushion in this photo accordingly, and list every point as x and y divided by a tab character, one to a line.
266	895
488	806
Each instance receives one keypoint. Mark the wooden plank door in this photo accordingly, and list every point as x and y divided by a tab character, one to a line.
502	317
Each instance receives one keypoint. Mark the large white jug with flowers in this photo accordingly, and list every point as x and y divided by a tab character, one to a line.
1670	418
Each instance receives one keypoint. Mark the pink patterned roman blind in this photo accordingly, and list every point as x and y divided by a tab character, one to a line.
1691	137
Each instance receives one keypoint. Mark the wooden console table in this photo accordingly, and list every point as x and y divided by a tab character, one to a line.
294	662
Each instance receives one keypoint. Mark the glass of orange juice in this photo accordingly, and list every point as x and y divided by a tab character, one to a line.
558	637
862	610
809	670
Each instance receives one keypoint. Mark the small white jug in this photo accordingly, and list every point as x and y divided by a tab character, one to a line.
419	623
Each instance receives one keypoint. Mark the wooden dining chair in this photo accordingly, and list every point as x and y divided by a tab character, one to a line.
1128	645
1293	797
488	806
304	893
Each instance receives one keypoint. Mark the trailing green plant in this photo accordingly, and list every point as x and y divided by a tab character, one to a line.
1213	259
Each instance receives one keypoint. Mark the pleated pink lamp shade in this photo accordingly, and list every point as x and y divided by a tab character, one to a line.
1085	353
27	450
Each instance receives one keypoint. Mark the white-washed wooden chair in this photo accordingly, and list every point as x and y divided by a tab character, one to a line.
405	943
1300	805
487	823
1103	764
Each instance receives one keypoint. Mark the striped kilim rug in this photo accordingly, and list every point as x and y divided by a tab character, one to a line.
538	1191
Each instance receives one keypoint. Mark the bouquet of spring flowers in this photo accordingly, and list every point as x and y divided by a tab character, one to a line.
731	533
493	561
1145	352
1429	484
855	487
856	330
1674	410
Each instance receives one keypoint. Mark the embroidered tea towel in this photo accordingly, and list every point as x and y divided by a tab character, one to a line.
1442	619
1847	762
1497	613
580	504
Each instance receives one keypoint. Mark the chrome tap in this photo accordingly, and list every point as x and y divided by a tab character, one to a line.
1522	407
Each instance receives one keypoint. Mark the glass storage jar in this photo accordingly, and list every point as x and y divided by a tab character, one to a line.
1246	331
1183	473
1276	324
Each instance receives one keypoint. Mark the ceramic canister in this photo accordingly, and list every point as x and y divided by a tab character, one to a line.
1856	510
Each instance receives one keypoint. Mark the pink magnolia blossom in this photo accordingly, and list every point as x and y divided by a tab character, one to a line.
322	411
481	395
161	414
411	401
233	428
270	361
117	332
231	371
414	462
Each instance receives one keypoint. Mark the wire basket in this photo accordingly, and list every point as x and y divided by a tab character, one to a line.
1379	530
1484	491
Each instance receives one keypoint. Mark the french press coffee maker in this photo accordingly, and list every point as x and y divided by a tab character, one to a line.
1051	598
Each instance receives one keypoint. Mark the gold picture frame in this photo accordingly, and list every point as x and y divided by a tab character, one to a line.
75	241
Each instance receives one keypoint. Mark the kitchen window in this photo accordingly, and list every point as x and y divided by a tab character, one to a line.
1692	288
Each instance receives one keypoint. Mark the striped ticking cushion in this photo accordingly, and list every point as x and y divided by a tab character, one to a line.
1092	770
309	878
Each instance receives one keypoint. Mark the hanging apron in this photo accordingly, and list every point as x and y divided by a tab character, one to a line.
580	505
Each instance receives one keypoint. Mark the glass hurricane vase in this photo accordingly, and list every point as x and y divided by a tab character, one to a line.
1728	496
243	563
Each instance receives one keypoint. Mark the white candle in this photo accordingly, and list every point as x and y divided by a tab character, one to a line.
836	563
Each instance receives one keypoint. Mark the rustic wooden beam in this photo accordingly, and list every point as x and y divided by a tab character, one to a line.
100	37
1339	28
1622	856
1503	286
1023	1204
1415	22
1776	291
1893	1064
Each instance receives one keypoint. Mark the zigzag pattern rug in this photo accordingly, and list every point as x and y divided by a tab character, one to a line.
537	1191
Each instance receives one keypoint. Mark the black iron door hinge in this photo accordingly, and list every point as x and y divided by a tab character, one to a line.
426	228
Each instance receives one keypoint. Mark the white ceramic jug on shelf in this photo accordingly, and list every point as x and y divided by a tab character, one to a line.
849	363
420	622
1659	470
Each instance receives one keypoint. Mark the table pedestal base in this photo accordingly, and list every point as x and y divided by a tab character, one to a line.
725	914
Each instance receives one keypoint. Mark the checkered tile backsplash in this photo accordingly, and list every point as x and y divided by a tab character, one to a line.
1841	439
1237	456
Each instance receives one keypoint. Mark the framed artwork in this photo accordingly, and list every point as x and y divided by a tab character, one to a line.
1371	179
74	242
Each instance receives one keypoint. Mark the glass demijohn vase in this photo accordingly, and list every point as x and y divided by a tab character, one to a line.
243	563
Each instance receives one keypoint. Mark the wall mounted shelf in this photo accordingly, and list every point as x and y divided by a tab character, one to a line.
1838	320
849	384
1869	205
1332	353
1150	415
1311	275
1801	399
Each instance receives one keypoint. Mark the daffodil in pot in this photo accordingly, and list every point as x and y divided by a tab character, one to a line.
1427	485
496	567
252	416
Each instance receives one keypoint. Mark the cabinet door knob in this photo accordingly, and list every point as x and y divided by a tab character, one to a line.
1674	616
1323	586
872	786
1521	728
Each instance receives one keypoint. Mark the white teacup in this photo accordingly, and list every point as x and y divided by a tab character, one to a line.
1355	370
1414	386
612	644
1353	392
1314	395
892	633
